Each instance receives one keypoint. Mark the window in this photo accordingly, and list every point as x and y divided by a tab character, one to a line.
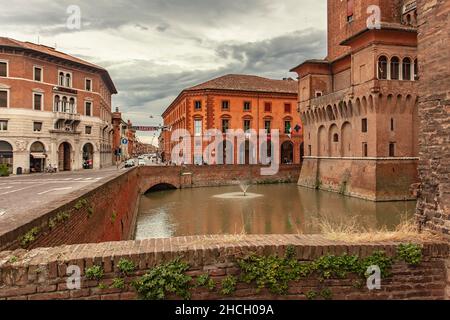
287	108
61	79
88	85
247	125
392	149
198	127
198	105
3	125
3	99
309	150
225	105
416	70
38	74
287	127
392	124
382	68
88	130
335	137
267	126
37	126
267	107
364	125
3	69
88	109
225	125
68	80
365	150
319	94
395	68
247	106
406	69
37	101
350	4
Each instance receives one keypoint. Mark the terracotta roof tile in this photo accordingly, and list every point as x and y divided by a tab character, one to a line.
238	82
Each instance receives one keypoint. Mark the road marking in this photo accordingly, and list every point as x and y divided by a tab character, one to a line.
2	212
5	193
6	187
56	189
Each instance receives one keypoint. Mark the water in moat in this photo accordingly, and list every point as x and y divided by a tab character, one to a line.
259	209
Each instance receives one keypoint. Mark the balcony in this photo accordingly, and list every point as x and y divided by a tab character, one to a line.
67	117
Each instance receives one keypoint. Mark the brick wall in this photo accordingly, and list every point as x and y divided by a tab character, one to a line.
434	110
42	273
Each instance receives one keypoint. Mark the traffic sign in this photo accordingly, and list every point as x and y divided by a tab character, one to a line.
124	141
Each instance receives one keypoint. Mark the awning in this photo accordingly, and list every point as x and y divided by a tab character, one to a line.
38	155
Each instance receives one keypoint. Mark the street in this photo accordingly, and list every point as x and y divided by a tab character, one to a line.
22	194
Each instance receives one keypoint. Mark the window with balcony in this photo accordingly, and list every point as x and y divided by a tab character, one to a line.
88	109
3	69
406	69
3	99
395	68
37	101
65	79
37	74
3	125
37	126
225	125
383	68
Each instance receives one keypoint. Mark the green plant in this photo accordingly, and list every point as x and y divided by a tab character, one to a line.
380	259
206	281
410	253
118	283
126	266
164	279
228	285
113	217
102	286
81	204
29	237
94	273
12	259
326	294
90	212
4	170
311	295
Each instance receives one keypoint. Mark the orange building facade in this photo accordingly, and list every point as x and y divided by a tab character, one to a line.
237	102
359	105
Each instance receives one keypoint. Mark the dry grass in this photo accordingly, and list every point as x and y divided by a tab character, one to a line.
350	232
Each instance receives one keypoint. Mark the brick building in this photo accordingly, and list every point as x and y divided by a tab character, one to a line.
237	102
123	138
359	104
54	109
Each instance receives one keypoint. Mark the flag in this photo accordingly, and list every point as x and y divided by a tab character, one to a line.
297	128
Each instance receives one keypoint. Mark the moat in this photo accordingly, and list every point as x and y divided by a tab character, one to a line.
267	209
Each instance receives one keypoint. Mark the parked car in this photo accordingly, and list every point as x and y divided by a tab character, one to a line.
141	162
130	164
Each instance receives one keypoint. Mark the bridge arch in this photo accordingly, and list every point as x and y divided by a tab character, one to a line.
163	186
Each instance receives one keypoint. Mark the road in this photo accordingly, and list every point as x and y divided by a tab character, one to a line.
22	194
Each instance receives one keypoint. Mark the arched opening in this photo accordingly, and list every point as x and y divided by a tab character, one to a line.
406	69
57	105
161	187
347	140
322	142
88	156
266	152
61	79
37	157
6	157
334	141
395	68
287	153
383	68
65	157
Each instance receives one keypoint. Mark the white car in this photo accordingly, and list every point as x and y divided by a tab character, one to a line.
141	162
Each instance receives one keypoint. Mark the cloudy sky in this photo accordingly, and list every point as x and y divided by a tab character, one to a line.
155	48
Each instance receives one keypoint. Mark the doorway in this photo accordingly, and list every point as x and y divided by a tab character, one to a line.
65	157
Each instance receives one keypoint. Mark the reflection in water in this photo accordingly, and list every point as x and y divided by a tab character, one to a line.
283	209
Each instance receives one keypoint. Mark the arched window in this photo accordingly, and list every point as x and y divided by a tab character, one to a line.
406	69
335	137
382	68
64	104
57	105
72	105
68	80
61	79
395	68
416	70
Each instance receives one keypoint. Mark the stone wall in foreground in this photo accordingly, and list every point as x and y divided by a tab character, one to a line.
42	273
434	111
